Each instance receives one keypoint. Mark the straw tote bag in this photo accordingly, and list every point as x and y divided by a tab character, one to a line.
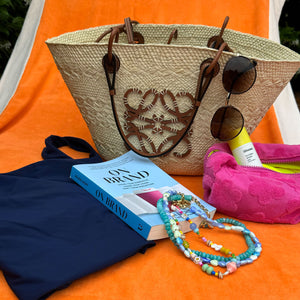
140	86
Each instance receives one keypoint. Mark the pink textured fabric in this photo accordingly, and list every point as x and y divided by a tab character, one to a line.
253	193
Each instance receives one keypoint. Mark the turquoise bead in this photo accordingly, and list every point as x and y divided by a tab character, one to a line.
175	197
179	241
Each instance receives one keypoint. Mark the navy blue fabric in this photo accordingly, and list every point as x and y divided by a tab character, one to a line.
51	230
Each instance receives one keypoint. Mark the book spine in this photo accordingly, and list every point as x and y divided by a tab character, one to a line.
134	221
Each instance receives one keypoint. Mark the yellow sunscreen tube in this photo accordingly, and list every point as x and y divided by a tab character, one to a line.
243	150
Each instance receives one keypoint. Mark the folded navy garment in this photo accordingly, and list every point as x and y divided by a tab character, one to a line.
53	232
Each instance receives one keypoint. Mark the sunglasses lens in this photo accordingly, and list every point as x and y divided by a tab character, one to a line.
226	123
239	75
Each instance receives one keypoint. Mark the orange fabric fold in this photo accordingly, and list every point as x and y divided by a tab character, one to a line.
42	105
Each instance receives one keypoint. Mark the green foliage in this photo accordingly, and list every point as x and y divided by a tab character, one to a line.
289	28
290	38
12	14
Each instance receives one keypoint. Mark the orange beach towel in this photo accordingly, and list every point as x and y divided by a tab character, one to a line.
42	105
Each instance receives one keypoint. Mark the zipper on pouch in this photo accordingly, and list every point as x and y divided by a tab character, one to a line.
281	165
285	166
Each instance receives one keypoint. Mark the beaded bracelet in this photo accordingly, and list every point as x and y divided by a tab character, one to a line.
174	204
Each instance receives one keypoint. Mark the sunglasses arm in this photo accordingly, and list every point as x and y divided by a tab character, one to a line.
228	98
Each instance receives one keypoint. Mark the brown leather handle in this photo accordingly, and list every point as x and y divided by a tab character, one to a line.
217	40
173	35
205	77
132	36
208	69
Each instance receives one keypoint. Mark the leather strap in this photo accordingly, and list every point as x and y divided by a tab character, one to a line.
129	30
173	35
208	69
217	40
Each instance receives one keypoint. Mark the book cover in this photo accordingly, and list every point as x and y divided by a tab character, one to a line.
130	186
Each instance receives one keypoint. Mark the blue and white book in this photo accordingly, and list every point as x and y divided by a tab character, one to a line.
130	186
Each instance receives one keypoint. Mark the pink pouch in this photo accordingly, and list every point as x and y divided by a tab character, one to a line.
254	193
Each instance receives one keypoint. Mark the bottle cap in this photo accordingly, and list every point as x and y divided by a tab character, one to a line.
241	139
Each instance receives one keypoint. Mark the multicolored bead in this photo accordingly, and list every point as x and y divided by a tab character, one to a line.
214	262
185	244
231	267
229	260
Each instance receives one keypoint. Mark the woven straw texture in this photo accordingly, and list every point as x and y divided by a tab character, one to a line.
175	67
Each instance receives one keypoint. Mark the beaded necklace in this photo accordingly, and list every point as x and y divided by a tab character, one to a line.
174	204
